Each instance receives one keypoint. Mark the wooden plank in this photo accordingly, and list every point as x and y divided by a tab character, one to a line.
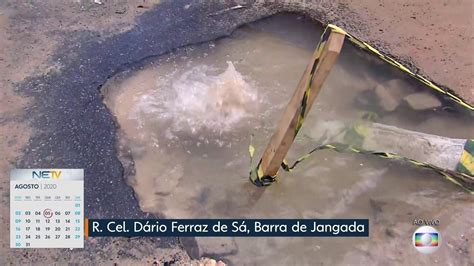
281	141
442	152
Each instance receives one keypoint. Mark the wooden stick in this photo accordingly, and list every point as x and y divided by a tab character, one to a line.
281	141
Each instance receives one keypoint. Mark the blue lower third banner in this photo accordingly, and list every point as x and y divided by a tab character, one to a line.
227	227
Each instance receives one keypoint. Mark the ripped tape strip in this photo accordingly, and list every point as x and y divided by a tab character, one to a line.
367	47
466	163
462	180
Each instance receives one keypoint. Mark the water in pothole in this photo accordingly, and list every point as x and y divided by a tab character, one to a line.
186	118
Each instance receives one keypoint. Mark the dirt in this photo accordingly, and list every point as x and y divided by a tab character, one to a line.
436	36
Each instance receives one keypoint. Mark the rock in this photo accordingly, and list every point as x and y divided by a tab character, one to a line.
399	84
422	101
210	262
198	247
387	101
391	93
207	262
216	245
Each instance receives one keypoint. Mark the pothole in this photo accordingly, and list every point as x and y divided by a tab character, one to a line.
187	117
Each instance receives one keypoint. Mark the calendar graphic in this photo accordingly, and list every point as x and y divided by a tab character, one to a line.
47	208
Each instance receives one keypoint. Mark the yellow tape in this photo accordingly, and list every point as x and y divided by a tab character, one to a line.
362	129
450	176
337	29
260	171
467	160
403	68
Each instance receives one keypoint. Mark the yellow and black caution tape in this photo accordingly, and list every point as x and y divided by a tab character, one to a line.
463	180
367	47
466	163
463	177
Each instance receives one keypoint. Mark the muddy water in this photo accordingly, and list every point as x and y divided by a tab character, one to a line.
186	119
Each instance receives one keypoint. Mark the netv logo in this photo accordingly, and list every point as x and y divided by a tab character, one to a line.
48	174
